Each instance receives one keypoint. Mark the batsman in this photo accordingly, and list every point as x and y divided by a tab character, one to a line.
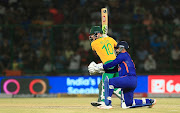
103	45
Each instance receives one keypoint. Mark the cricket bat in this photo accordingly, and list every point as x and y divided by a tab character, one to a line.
104	20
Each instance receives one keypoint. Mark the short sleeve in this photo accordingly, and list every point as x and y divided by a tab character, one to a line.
92	46
115	43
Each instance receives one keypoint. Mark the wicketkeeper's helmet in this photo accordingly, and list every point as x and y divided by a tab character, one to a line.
122	44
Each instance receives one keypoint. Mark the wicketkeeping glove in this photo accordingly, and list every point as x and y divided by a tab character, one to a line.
100	68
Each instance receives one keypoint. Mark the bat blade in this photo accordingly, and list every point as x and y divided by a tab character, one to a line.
104	20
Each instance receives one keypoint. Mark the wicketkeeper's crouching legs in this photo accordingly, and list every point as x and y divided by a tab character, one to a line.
127	84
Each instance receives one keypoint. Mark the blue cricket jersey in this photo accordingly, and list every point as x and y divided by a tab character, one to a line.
125	62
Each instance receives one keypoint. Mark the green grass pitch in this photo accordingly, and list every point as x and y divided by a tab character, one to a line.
80	105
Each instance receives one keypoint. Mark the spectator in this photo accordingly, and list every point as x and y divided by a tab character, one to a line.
84	41
6	47
83	35
5	62
84	59
47	3
58	16
168	12
75	61
139	12
176	31
2	10
142	54
175	53
48	67
177	20
15	65
68	52
148	20
150	64
60	61
154	41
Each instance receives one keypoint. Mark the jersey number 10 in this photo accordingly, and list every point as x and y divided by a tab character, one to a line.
108	48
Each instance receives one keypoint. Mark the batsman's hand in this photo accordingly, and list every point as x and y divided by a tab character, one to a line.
91	68
92	64
94	68
104	29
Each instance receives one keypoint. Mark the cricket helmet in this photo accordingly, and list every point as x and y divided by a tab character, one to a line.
94	33
95	29
122	44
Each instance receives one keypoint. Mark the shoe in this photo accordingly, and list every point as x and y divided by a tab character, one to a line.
153	102
104	107
123	105
95	104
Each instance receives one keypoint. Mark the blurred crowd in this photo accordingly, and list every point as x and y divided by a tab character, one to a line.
51	36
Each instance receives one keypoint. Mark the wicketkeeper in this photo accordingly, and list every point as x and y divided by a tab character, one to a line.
127	80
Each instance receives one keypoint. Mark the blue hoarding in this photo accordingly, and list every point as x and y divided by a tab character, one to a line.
74	84
142	84
61	84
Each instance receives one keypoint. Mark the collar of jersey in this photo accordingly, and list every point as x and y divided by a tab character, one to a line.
97	39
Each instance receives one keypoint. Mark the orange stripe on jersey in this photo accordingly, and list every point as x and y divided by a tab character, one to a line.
119	68
123	76
133	63
126	67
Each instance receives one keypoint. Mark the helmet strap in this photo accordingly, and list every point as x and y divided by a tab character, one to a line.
96	35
